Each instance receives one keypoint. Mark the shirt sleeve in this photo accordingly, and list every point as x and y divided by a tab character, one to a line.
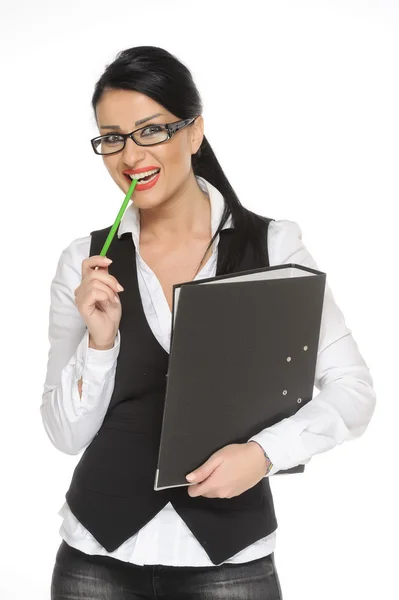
346	400
72	421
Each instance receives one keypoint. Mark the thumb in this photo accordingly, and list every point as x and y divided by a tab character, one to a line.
205	470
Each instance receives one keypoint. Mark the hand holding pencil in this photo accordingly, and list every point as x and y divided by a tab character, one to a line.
98	302
97	295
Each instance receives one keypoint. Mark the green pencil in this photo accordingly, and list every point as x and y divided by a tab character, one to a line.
122	209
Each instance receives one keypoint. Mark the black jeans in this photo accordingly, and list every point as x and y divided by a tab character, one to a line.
81	576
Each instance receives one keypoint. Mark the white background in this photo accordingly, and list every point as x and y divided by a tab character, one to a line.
301	107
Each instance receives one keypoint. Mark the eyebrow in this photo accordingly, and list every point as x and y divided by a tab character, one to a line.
136	123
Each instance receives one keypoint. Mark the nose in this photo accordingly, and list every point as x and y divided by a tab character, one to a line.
132	152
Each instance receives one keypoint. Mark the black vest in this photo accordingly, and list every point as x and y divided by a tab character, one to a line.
112	488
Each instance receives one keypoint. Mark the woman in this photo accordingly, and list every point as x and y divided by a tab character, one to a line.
109	337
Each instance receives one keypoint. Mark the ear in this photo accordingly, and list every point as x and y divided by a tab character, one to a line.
197	134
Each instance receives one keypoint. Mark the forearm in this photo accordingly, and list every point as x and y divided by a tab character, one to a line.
340	412
74	409
95	347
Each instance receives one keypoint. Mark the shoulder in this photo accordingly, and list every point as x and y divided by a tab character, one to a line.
285	244
69	267
78	249
283	228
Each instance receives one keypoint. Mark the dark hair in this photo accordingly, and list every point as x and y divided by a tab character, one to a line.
156	73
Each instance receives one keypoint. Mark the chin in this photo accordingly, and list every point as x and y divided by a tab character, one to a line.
146	203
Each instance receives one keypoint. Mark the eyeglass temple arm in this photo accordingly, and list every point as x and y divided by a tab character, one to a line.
175	127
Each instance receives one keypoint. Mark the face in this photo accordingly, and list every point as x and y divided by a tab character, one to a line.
173	157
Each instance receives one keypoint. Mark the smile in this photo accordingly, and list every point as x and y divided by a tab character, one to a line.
144	177
146	182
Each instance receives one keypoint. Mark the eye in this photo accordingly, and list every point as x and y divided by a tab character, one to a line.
151	130
112	139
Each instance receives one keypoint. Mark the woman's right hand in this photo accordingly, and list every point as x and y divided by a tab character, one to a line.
98	302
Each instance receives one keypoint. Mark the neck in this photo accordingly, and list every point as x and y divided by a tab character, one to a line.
185	215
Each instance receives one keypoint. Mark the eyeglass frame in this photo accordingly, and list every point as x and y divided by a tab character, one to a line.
171	129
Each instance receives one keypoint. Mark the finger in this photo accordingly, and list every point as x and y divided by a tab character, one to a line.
202	489
195	490
205	470
99	292
101	281
106	278
91	262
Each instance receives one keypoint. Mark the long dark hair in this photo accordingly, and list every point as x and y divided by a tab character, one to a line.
156	73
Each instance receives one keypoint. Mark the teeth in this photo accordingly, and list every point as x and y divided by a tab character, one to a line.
142	175
148	180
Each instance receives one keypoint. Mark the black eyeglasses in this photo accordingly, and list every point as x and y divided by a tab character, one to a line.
149	135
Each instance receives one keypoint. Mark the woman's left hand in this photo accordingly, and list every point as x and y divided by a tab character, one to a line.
229	472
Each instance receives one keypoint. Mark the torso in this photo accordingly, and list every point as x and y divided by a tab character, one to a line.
175	265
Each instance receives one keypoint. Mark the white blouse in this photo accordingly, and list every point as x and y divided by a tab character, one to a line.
340	411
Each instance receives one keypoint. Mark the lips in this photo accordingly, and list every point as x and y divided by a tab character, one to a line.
140	170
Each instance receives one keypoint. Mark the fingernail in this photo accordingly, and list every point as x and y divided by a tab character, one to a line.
107	260
190	477
119	287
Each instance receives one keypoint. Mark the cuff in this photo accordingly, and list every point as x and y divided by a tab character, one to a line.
96	364
282	444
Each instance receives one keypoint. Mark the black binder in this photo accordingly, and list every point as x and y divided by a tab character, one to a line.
242	357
